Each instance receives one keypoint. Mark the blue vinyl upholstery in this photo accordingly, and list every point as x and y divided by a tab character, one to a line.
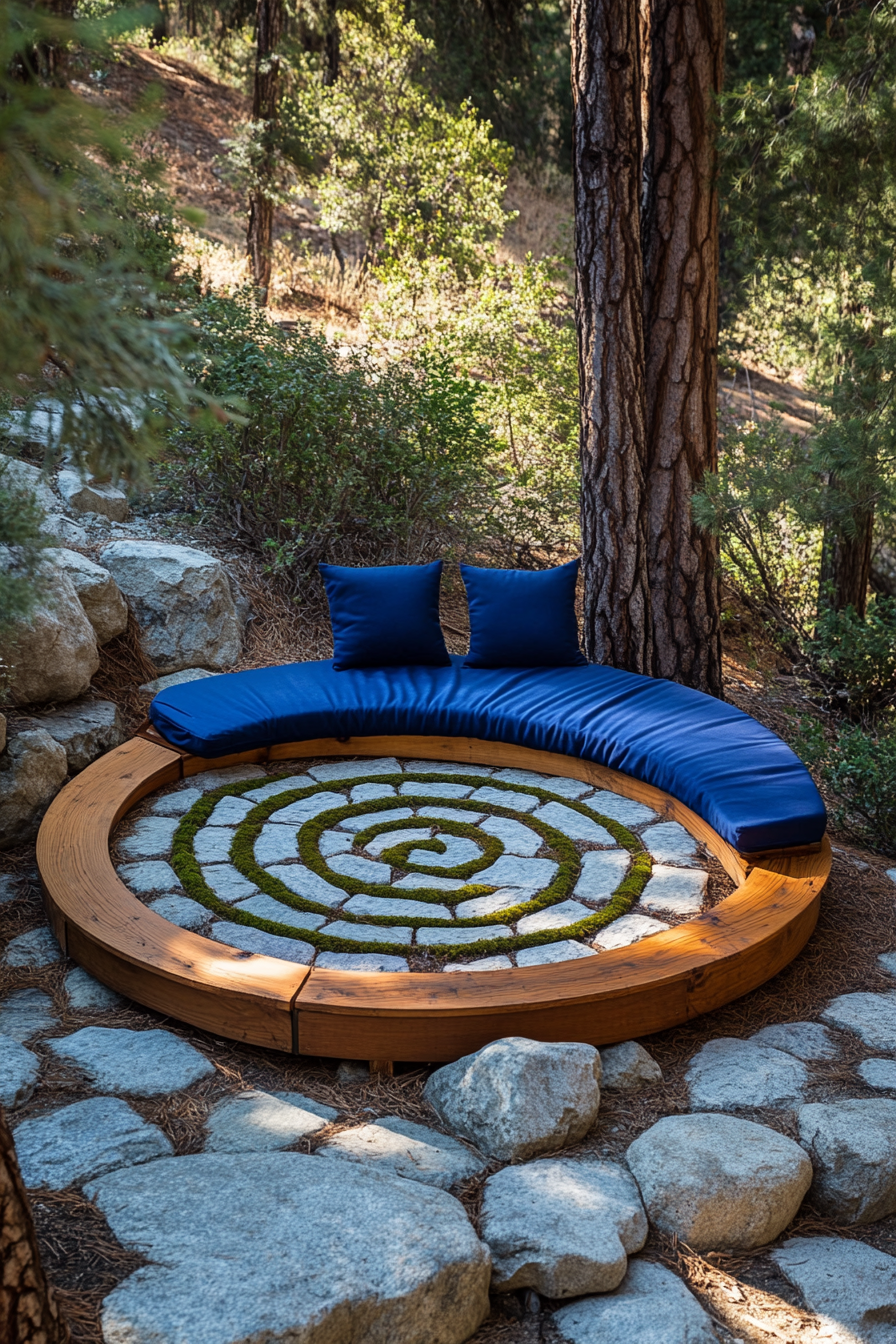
728	768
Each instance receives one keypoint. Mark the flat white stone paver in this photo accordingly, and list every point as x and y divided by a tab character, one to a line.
668	842
273	844
25	1013
256	1121
871	1016
850	1285
230	811
651	1306
175	804
333	770
11	887
266	791
517	802
514	836
294	814
402	1148
150	839
212	844
681	891
891	874
368	933
85	994
417	789
334	842
566	788
305	882
285	1246
38	947
504	899
265	907
457	937
231	774
509	871
601	872
140	1062
728	1073
432	881
481	964
626	930
558	916
18	1072
249	939
887	962
567	950
152	875
450	814
366	963
458	849
446	768
84	1140
878	1073
806	1040
183	912
228	883
365	870
366	819
369	907
363	793
573	824
619	808
388	839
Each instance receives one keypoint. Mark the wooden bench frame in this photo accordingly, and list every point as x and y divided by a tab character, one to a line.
629	992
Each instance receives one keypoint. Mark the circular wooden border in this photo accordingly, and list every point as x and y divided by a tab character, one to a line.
629	992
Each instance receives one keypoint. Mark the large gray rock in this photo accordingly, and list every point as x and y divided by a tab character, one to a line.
852	1145
871	1016
402	1148
729	1072
85	729
98	592
83	495
255	1122
54	653
650	1306
182	600
719	1183
851	1286
85	1140
517	1098
562	1227
287	1247
32	771
18	1072
140	1062
26	1013
20	477
628	1066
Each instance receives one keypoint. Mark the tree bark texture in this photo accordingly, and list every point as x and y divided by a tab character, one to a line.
28	1311
846	565
607	138
265	105
680	240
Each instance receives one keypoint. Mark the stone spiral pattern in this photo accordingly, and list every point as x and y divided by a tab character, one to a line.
363	864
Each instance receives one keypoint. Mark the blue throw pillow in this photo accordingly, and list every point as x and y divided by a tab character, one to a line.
523	617
386	616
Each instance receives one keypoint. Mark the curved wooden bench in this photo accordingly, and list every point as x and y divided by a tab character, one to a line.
629	992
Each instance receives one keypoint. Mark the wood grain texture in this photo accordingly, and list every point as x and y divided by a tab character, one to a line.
613	996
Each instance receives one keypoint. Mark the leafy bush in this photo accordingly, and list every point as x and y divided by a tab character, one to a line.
856	658
336	458
859	764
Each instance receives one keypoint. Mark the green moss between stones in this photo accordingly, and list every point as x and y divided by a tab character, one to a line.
187	868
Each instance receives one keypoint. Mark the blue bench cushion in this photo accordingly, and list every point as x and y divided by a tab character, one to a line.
728	768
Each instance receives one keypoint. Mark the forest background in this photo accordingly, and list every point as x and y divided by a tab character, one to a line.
399	380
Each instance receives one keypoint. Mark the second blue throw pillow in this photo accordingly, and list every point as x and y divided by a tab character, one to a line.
523	617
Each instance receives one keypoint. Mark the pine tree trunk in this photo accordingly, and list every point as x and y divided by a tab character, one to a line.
28	1311
680	231
265	104
607	140
846	565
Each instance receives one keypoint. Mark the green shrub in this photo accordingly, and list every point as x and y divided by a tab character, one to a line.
336	458
856	658
859	765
